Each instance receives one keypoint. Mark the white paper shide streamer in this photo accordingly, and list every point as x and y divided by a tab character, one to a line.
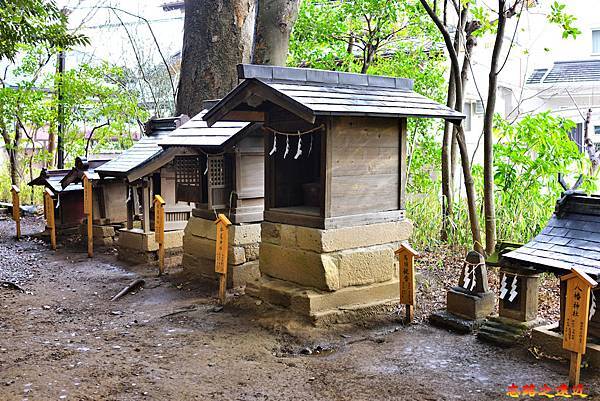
272	152
299	151
287	146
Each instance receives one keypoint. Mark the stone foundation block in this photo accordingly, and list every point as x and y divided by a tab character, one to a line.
331	240
320	305
469	306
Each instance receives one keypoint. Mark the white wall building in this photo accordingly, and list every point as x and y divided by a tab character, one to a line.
544	72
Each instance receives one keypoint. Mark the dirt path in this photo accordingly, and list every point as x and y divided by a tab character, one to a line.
64	340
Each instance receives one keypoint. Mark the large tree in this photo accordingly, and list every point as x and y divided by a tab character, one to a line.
217	35
274	23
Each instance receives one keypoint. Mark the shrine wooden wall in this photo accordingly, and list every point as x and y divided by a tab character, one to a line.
363	160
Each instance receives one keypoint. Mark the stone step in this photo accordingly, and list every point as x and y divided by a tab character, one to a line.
517	330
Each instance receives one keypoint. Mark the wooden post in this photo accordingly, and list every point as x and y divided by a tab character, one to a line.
406	276
159	231
16	209
146	201
222	223
88	211
49	202
577	310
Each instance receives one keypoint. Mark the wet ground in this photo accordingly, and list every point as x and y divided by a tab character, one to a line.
63	339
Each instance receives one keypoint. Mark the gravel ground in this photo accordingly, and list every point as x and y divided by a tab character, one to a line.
63	339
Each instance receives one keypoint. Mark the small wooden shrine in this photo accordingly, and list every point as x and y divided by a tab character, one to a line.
68	193
109	197
222	173
335	182
570	239
146	170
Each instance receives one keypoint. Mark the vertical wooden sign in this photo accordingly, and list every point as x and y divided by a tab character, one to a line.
406	275
577	309
222	245
159	231
88	211
16	209
49	203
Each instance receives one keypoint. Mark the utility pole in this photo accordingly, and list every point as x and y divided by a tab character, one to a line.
60	69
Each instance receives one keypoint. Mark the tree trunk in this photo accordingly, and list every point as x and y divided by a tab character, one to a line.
274	22
447	141
218	35
447	194
460	135
488	138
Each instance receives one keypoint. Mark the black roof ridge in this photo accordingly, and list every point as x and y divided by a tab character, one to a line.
323	77
593	60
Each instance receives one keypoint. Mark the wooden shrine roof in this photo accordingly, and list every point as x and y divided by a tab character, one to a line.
310	93
82	166
196	132
52	179
143	151
570	239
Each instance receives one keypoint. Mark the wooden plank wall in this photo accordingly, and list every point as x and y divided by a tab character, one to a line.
364	165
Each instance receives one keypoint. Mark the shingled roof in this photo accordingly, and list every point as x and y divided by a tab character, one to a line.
567	71
196	132
310	93
52	179
143	151
570	239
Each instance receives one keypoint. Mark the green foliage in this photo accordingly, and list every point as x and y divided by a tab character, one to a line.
92	96
566	21
405	41
33	22
95	96
527	159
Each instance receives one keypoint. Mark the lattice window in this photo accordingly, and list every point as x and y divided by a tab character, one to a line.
188	179
219	182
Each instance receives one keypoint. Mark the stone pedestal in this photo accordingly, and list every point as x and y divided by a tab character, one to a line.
470	306
104	235
324	274
137	247
469	303
523	307
518	306
199	246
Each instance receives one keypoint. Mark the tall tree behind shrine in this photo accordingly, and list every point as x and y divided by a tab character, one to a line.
218	34
274	22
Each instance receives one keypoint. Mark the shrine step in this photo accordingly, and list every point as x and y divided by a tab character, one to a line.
502	331
447	320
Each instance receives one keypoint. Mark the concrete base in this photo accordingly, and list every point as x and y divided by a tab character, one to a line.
199	247
323	307
136	247
470	306
549	340
448	321
505	331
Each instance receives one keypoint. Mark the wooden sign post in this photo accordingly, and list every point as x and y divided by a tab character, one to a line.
16	208
159	231
49	207
87	210
577	310
406	255
222	223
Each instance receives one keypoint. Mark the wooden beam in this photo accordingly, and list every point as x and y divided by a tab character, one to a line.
249	116
50	221
145	208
